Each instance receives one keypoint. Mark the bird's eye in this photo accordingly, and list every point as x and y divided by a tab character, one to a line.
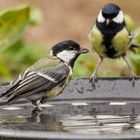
71	48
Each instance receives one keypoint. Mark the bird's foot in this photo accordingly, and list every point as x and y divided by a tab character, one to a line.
133	79
93	79
37	109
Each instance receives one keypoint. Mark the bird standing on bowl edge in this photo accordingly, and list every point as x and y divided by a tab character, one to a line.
46	78
110	38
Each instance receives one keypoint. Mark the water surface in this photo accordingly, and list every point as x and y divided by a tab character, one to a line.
75	117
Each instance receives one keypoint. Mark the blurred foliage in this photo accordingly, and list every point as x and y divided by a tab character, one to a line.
17	55
84	65
12	24
35	16
135	58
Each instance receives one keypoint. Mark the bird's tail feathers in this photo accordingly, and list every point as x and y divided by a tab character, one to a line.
3	100
133	46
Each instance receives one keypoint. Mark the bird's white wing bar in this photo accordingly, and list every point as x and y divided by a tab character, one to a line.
47	77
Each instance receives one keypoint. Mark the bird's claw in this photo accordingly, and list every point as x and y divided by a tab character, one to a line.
93	80
133	78
37	109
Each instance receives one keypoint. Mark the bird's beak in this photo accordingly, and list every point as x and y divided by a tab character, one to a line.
83	50
108	21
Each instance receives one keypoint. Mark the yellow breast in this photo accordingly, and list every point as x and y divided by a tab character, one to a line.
59	88
120	42
96	38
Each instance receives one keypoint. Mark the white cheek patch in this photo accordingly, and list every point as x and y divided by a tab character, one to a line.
66	56
100	17
119	18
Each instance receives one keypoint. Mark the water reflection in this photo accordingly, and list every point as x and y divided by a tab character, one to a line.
87	118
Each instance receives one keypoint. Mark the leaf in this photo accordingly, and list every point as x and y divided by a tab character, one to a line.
13	23
3	69
36	16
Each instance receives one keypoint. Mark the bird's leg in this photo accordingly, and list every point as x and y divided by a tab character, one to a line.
93	77
132	74
36	106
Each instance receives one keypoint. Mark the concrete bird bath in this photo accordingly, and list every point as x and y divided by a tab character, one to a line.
82	112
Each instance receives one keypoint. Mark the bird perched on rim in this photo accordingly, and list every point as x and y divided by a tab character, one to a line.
110	37
46	78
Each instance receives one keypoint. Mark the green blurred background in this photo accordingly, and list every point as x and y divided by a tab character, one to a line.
28	32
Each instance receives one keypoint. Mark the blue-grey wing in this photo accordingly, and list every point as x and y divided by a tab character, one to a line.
32	82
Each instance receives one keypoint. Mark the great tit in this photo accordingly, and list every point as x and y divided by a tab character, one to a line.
46	78
110	37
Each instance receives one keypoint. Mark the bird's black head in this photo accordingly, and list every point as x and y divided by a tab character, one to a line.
111	13
67	45
68	51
